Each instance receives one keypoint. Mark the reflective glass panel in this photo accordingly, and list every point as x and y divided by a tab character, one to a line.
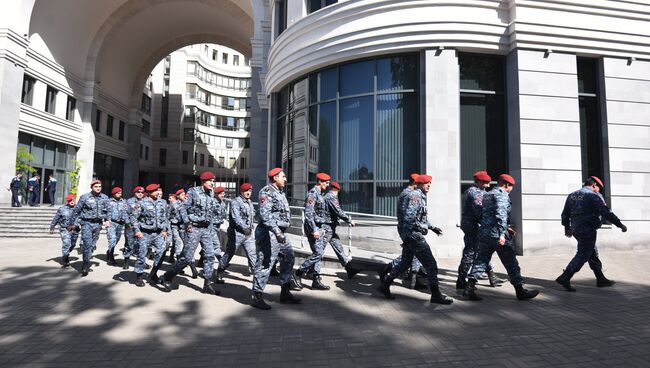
397	73
398	137
356	137
357	197
357	78
387	193
481	73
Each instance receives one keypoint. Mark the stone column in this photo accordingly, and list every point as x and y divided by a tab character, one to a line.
441	147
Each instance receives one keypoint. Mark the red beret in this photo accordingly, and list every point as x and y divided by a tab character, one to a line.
219	190
70	197
423	179
116	190
137	189
152	187
206	175
273	172
597	179
323	177
335	185
180	191
482	176
96	181
507	178
414	176
246	186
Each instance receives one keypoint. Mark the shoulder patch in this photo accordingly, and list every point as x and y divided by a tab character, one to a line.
263	198
310	200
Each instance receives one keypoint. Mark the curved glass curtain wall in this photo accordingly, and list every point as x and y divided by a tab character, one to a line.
360	122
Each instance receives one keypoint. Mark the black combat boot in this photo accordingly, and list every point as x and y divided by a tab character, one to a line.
316	283
602	281
350	271
470	291
461	283
65	261
171	258
218	276
85	268
139	282
167	280
258	302
274	270
208	288
195	273
286	297
565	280
297	278
495	281
384	288
125	265
385	271
525	294
439	298
110	257
201	259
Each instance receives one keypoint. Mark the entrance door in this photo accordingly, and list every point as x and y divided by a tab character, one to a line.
45	179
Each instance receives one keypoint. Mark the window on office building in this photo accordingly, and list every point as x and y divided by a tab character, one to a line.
221	161
242	163
50	100
163	157
214	55
224	58
98	120
280	16
27	96
233	161
211	161
202	160
146	153
186	156
70	108
314	5
483	125
146	104
188	134
120	134
109	126
229	142
593	141
146	127
235	60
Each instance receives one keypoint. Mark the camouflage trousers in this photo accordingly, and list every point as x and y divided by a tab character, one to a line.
177	240
216	242
154	240
114	233
129	241
470	251
268	251
327	235
204	236
235	241
587	252
506	253
89	236
68	240
415	245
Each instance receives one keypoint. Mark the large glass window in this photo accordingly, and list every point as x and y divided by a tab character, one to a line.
360	122
71	108
110	170
314	5
28	90
50	100
592	141
483	125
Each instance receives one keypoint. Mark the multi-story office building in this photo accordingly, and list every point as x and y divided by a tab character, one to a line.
201	119
370	90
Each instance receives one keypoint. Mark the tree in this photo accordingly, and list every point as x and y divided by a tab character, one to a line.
74	177
23	161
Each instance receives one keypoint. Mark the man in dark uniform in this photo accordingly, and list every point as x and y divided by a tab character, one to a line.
494	237
132	204
240	229
581	218
151	225
51	189
34	191
14	186
413	225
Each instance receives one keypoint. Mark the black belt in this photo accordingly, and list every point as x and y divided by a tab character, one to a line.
96	221
150	231
202	224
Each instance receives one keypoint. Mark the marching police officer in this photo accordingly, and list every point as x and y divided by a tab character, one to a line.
240	229
151	226
581	217
92	211
51	189
176	216
271	241
332	217
315	212
68	237
132	203
494	236
117	210
199	206
219	216
14	187
412	228
469	223
415	265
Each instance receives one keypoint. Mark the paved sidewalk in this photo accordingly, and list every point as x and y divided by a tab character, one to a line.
51	317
